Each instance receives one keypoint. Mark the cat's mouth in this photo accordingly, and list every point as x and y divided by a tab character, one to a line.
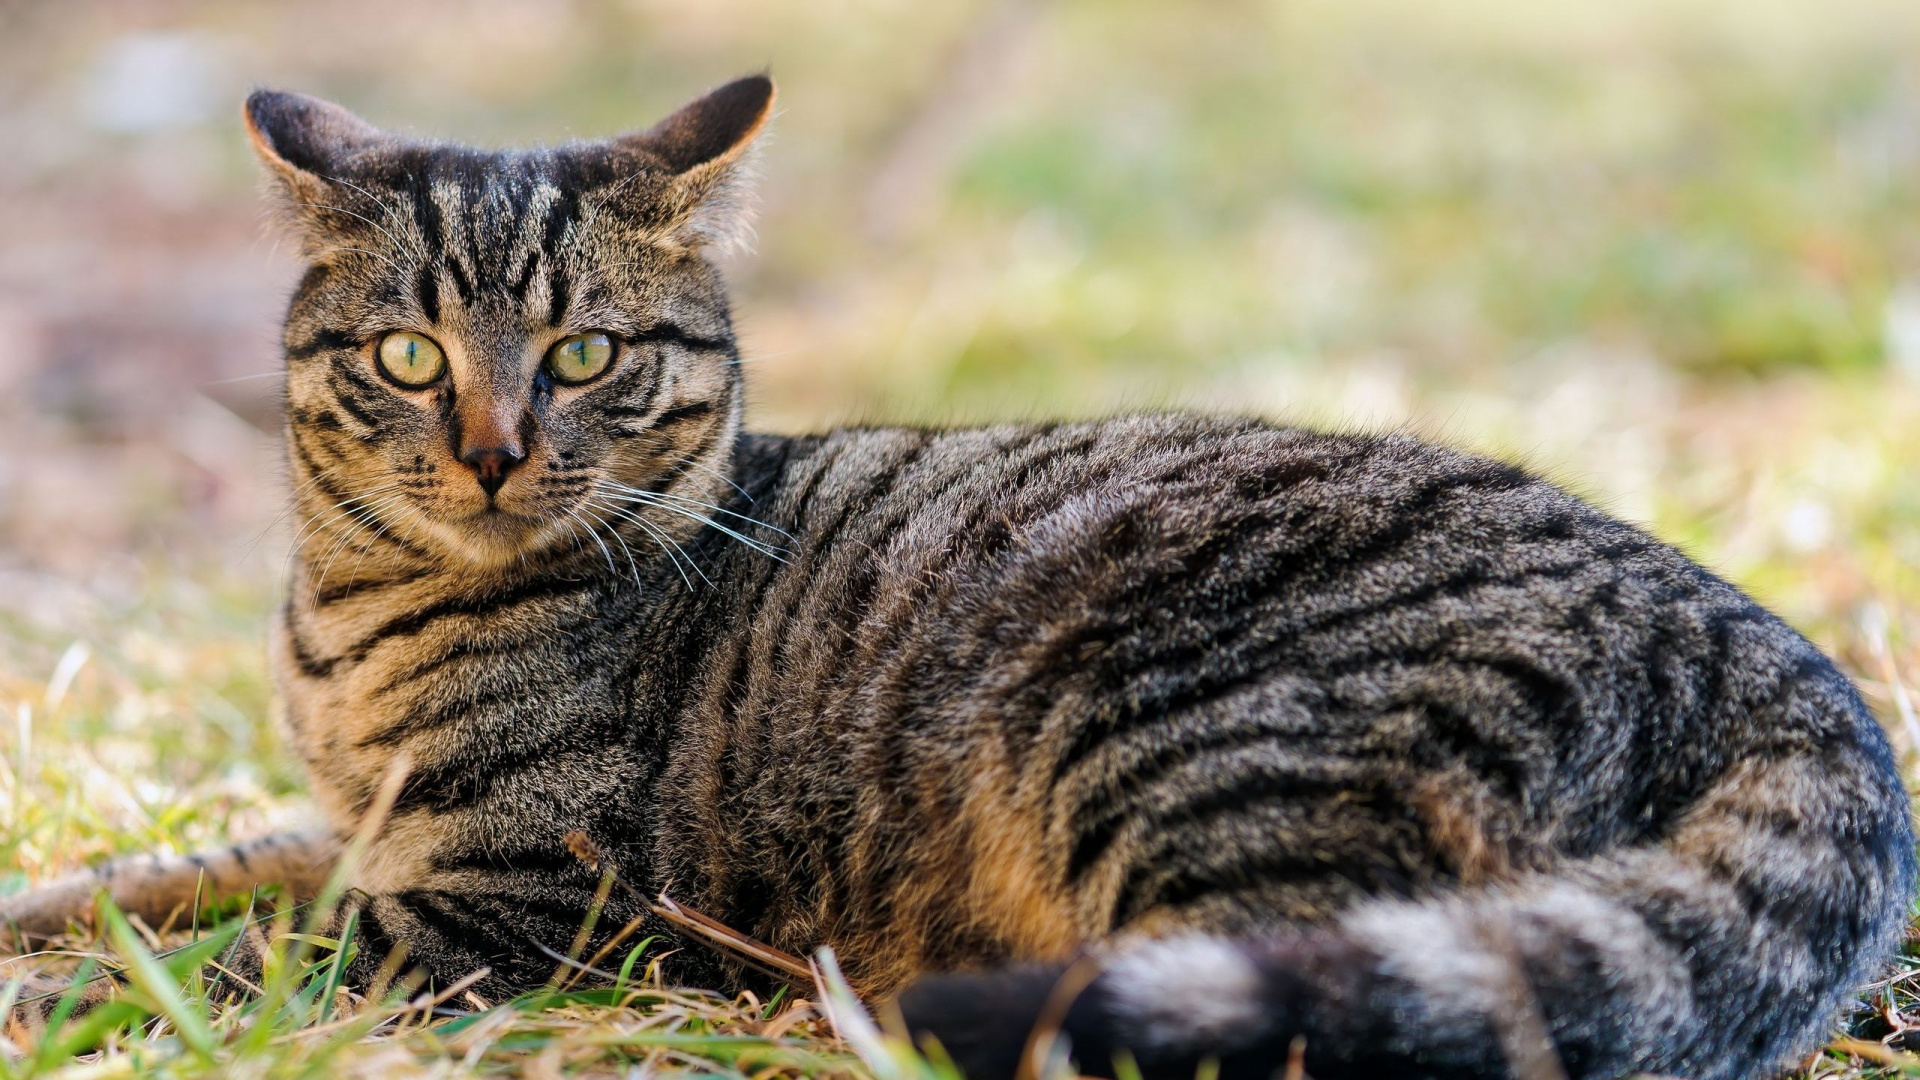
495	526
493	535
496	517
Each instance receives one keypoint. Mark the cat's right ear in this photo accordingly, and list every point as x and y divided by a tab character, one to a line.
309	144
701	158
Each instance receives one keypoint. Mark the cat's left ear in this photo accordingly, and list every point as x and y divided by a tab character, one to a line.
299	135
309	145
706	149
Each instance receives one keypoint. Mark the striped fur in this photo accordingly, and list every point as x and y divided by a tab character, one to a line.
1288	734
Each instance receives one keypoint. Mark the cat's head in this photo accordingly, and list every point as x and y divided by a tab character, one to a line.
492	351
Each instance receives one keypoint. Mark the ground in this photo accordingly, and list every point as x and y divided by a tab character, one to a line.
1667	252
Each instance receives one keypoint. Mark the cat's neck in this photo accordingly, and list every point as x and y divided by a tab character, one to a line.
378	643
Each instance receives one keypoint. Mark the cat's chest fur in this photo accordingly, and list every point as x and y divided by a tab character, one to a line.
510	705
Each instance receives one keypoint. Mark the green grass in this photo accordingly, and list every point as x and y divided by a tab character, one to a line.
1648	246
175	1018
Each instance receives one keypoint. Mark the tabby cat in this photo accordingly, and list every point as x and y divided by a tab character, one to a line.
1210	736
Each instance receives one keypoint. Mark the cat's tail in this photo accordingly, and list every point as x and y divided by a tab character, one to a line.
1716	952
163	889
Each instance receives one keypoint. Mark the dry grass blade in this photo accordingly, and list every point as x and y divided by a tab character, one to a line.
1045	1036
1878	1053
704	929
1296	1059
783	965
1520	1025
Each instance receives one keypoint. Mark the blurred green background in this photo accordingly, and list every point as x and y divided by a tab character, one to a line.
1666	250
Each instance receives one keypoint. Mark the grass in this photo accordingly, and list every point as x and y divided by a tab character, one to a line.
1663	250
172	1020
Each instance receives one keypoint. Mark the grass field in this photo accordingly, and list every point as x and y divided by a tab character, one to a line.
1667	252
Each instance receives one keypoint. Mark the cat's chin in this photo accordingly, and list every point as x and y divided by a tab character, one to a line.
497	538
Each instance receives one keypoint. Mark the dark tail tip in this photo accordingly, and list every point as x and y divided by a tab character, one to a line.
1162	1007
983	1021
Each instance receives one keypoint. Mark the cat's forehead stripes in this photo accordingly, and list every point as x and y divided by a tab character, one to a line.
493	236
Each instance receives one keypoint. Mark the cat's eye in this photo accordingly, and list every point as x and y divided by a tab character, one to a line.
410	359
580	357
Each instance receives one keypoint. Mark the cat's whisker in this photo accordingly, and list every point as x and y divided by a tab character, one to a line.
675	554
388	233
777	554
604	550
587	509
697	504
338	510
661	540
344	509
293	503
407	509
573	531
690	463
370	510
375	254
662	499
377	200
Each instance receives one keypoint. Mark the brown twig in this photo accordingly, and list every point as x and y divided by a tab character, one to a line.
1296	1059
1053	1016
704	929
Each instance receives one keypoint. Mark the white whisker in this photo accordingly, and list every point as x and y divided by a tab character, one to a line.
345	509
571	512
369	510
664	497
366	251
660	539
377	200
293	503
633	567
397	242
688	462
404	505
646	499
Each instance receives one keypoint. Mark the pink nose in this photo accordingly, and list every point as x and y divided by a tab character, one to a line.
491	464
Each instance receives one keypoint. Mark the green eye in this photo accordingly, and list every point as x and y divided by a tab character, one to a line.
411	360
580	357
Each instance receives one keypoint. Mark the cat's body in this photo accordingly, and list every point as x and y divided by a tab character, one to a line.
1393	748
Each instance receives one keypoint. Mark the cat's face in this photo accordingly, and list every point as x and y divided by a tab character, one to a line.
494	355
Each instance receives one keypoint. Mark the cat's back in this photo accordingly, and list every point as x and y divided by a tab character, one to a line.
1173	558
1165	508
1099	619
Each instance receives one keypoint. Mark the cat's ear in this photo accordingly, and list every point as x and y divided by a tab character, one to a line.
706	148
309	144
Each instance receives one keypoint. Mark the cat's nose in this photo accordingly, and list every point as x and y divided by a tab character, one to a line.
491	464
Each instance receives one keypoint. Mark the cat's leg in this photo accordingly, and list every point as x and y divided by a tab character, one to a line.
163	888
497	933
507	930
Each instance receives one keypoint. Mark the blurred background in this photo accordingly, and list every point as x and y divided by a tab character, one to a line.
1666	250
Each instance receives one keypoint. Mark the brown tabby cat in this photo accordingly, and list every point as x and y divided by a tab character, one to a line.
1288	734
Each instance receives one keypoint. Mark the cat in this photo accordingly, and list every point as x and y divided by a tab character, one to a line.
1200	737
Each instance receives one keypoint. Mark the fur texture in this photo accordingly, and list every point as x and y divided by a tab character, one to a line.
1342	737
